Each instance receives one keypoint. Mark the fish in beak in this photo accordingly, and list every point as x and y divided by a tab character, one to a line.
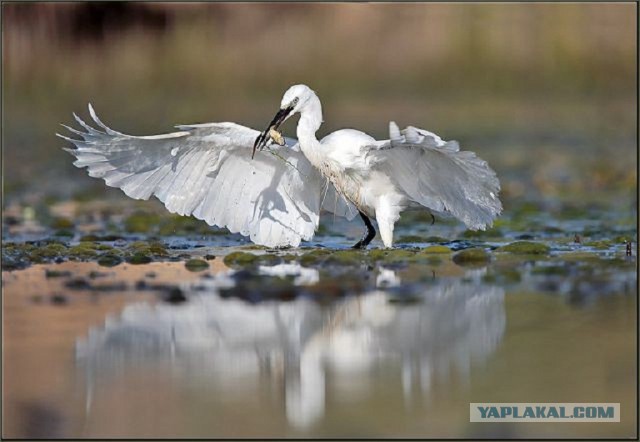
271	132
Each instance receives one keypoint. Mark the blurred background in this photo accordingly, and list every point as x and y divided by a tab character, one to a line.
545	92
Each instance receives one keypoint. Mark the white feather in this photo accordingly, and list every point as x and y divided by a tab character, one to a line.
206	170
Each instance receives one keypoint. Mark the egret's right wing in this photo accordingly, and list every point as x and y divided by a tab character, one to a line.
437	174
206	170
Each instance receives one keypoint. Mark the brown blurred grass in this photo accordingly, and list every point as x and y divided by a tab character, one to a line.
516	82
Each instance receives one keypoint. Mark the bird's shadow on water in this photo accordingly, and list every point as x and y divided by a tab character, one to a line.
223	335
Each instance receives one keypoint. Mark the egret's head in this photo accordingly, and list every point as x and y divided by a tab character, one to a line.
296	99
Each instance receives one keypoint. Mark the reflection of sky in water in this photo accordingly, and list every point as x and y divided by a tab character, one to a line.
224	342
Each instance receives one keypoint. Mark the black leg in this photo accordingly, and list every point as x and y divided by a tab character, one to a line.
369	234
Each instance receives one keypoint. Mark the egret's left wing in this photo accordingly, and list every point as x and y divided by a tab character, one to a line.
206	170
437	174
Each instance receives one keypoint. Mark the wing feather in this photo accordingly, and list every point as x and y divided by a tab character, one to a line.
436	174
206	170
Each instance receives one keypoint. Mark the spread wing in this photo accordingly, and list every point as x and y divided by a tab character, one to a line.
437	174
206	170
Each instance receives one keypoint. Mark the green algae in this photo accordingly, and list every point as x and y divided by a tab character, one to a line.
253	247
391	255
109	260
82	252
139	258
472	256
155	248
141	222
436	249
196	265
54	250
493	232
239	259
314	257
348	257
525	248
269	259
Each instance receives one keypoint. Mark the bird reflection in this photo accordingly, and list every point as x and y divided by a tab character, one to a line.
424	332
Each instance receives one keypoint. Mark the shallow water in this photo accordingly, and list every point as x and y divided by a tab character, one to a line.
345	345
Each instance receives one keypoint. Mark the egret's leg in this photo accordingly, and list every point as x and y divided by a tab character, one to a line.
386	231
387	213
369	234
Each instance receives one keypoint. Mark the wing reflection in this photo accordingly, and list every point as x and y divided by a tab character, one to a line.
423	332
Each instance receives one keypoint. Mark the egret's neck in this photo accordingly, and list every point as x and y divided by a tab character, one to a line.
310	121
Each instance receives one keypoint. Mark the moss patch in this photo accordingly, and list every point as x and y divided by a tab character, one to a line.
314	257
239	259
196	265
154	248
141	222
471	256
109	260
525	248
139	258
436	249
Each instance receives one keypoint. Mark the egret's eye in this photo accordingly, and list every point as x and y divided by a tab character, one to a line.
295	101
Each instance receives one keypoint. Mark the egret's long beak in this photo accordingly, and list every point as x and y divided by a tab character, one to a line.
281	117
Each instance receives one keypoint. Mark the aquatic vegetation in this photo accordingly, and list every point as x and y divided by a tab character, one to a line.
492	232
472	256
151	248
42	253
141	222
436	249
88	250
525	248
348	257
139	258
238	259
196	265
410	239
314	257
109	260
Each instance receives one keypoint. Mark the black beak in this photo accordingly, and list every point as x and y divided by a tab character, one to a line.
261	140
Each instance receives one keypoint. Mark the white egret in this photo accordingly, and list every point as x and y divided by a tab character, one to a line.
209	171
